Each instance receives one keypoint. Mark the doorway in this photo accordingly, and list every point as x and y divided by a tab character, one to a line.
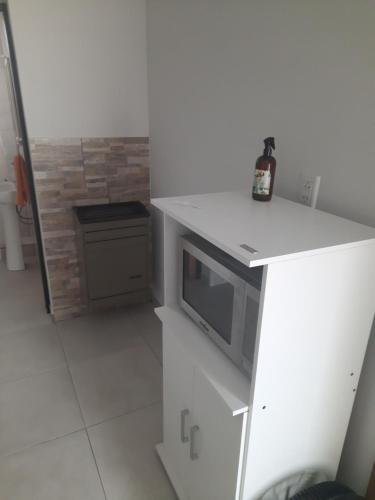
24	293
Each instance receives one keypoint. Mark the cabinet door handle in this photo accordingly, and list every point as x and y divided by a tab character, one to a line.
184	437
193	453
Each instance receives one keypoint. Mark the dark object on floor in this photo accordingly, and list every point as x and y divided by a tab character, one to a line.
114	254
329	490
371	486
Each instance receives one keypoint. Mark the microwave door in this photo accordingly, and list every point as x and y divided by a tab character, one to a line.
210	294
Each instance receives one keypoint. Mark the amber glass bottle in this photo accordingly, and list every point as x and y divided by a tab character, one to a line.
265	168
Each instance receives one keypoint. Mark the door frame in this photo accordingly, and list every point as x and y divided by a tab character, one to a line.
27	156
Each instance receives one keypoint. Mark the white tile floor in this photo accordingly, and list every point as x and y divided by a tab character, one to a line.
21	299
80	409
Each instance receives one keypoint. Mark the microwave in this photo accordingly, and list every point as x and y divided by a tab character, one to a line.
221	295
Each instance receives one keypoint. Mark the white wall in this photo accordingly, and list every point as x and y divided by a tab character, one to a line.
82	66
224	75
8	146
7	138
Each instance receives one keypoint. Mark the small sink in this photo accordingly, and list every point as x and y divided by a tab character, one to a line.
14	254
7	193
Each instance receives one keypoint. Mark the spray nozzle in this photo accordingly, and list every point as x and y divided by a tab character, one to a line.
269	145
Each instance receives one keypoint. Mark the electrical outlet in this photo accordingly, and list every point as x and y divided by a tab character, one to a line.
309	190
306	192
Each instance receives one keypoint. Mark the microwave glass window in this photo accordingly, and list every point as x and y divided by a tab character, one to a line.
210	295
251	321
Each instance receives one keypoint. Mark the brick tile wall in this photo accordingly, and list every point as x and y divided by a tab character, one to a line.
85	171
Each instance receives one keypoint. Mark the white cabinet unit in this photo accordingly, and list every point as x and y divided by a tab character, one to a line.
178	405
215	444
204	416
227	436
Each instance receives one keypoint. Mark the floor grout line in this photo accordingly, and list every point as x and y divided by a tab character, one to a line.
75	363
125	414
88	427
40	443
96	463
26	328
36	374
82	417
141	332
63	364
23	329
80	429
152	350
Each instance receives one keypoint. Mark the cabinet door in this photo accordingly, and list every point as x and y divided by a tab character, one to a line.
216	443
116	266
178	386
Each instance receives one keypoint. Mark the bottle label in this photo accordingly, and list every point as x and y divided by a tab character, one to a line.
262	182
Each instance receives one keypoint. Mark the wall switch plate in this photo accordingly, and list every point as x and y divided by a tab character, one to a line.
309	190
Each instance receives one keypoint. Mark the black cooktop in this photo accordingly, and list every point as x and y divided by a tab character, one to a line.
111	212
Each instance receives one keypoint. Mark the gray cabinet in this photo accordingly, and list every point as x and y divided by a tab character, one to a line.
114	243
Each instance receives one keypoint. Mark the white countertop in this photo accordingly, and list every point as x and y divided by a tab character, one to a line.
278	230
